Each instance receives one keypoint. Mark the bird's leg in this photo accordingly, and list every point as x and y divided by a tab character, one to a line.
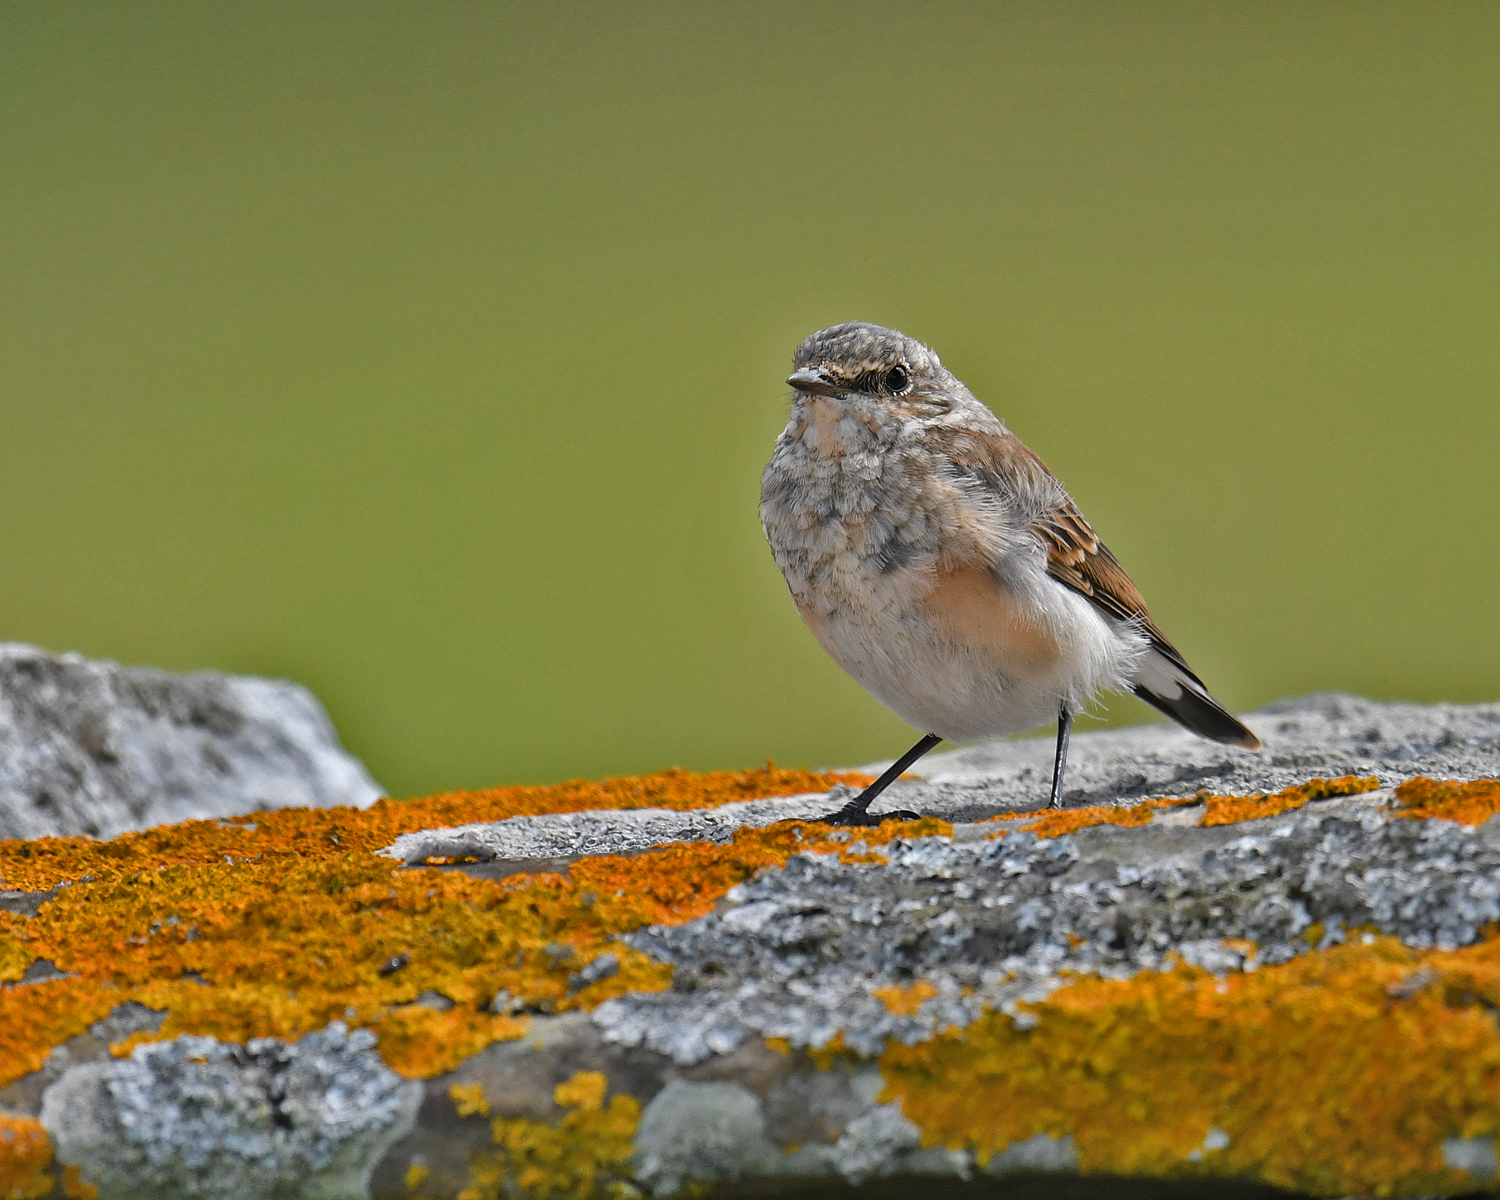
856	812
1060	763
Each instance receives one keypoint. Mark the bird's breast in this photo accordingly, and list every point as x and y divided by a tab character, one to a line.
848	512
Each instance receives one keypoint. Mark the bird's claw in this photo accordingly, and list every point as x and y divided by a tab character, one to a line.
850	817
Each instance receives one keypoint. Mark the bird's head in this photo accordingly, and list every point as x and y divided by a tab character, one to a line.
867	363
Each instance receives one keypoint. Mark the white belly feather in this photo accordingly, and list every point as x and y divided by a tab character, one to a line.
941	608
972	659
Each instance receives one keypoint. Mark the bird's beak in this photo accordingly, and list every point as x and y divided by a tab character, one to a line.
806	379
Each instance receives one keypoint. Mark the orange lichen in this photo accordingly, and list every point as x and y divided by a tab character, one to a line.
587	1153
469	1099
14	957
276	926
906	1001
303	833
1229	810
1218	810
1137	1071
25	1154
1050	823
1467	803
37	1017
74	1188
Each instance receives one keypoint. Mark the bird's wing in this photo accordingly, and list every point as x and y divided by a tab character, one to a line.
1077	559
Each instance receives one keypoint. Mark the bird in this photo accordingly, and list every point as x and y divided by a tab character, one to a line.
942	565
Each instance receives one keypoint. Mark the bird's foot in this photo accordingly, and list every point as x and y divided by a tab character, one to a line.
850	817
856	815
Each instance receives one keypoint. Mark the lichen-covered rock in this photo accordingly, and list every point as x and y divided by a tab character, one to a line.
95	748
1329	734
987	923
1184	992
195	1117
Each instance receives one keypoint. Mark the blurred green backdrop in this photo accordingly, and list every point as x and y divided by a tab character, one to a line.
429	353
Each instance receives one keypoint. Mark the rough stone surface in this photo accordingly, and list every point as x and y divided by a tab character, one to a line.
24	1096
702	1131
95	748
799	953
728	1068
196	1117
1329	734
554	839
742	1121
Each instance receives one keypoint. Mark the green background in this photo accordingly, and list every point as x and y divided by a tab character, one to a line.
429	353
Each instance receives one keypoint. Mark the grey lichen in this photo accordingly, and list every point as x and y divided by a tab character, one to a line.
700	1133
1475	1155
800	953
196	1117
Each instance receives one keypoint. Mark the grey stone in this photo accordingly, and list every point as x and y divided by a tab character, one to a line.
1474	1155
1328	734
1038	1153
24	1097
606	966
883	1142
799	953
702	1133
196	1117
26	904
42	970
559	837
94	748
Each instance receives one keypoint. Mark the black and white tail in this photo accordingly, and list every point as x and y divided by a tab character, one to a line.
1164	682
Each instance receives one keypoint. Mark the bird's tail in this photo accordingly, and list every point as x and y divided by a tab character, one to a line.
1169	686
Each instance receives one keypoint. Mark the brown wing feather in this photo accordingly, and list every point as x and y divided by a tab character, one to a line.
1075	555
1077	559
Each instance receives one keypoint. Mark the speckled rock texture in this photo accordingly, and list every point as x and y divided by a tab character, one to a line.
809	956
1213	997
799	953
195	1117
822	953
95	748
1328	734
1324	735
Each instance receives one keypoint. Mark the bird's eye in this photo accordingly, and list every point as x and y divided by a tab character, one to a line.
896	379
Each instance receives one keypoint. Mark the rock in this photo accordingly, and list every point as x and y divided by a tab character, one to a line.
1328	734
1225	994
1324	735
990	924
25	1095
194	1117
95	748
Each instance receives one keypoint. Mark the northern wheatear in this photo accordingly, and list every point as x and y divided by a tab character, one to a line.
944	567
